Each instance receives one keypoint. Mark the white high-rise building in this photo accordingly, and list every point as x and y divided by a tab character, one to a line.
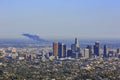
86	53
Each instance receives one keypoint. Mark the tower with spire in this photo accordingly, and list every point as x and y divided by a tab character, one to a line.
75	48
76	42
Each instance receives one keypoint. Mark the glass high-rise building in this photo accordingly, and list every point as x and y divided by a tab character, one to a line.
96	49
75	46
61	50
75	49
105	54
90	50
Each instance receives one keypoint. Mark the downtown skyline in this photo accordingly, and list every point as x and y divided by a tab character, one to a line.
60	19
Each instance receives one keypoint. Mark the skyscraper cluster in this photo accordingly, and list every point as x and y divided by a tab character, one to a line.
60	51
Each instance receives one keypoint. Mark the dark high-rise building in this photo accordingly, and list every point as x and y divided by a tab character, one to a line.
69	53
61	50
105	54
118	50
64	50
55	49
73	48
96	49
90	50
118	53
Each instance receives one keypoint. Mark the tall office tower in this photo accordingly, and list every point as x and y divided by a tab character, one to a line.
118	53
77	45
75	49
55	49
76	42
96	49
69	53
90	50
61	50
105	54
65	51
86	53
118	50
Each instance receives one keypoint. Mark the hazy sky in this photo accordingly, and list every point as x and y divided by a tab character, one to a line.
60	18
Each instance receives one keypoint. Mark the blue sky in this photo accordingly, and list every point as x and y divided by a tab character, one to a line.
60	18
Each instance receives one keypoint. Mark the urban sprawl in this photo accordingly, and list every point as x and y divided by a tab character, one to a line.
60	63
